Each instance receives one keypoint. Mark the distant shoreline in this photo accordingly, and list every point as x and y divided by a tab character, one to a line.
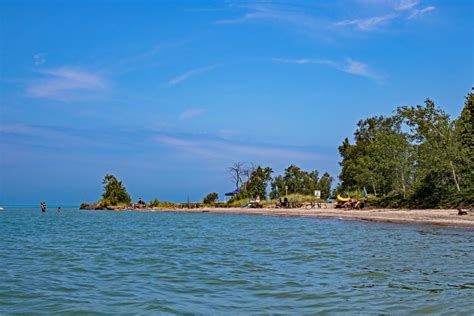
438	217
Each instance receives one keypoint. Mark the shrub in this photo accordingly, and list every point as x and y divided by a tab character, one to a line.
210	198
154	203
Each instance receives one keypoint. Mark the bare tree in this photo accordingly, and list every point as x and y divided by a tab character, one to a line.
236	172
248	170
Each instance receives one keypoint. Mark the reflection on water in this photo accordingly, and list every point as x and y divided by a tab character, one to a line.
148	263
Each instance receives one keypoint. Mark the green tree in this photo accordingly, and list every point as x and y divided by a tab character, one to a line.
324	185
301	182
465	135
379	159
114	192
438	153
211	198
277	185
257	183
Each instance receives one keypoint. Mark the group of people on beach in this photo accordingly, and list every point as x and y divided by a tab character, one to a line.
282	204
43	207
352	204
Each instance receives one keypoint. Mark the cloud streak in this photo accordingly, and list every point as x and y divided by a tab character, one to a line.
225	149
368	24
313	24
191	73
349	66
61	83
261	12
403	10
420	12
407	5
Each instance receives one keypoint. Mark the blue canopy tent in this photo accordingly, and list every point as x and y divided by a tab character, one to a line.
232	193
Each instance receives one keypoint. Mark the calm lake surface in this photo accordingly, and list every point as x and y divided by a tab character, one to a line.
169	263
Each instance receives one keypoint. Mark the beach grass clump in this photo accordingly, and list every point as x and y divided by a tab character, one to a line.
154	203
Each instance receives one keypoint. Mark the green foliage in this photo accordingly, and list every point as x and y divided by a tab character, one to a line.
301	182
379	160
210	198
465	135
114	192
418	157
256	185
154	203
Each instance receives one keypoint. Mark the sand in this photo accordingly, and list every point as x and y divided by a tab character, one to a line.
441	217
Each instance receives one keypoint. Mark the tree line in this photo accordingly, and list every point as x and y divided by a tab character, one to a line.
251	180
418	157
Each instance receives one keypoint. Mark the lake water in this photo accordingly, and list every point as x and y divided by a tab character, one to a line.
170	263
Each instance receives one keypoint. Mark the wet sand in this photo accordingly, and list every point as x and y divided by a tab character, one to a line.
441	217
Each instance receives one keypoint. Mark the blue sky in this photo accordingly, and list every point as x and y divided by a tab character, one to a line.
166	95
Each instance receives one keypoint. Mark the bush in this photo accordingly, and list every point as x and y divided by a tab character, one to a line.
154	203
210	198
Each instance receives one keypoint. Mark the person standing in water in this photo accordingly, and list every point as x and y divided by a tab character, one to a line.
43	206
58	210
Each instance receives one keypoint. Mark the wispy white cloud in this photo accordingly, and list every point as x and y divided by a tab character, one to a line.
397	11
375	15
368	24
348	66
39	58
419	12
62	83
189	74
406	5
359	69
221	148
295	18
190	113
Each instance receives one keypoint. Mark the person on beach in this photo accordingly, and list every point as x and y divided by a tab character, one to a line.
43	206
279	203
286	203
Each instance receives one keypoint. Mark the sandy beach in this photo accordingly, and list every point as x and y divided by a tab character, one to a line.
440	217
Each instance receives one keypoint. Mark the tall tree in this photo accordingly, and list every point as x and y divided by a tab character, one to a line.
438	151
324	185
114	191
378	157
465	135
258	182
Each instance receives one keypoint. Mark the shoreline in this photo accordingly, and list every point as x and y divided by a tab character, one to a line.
437	217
